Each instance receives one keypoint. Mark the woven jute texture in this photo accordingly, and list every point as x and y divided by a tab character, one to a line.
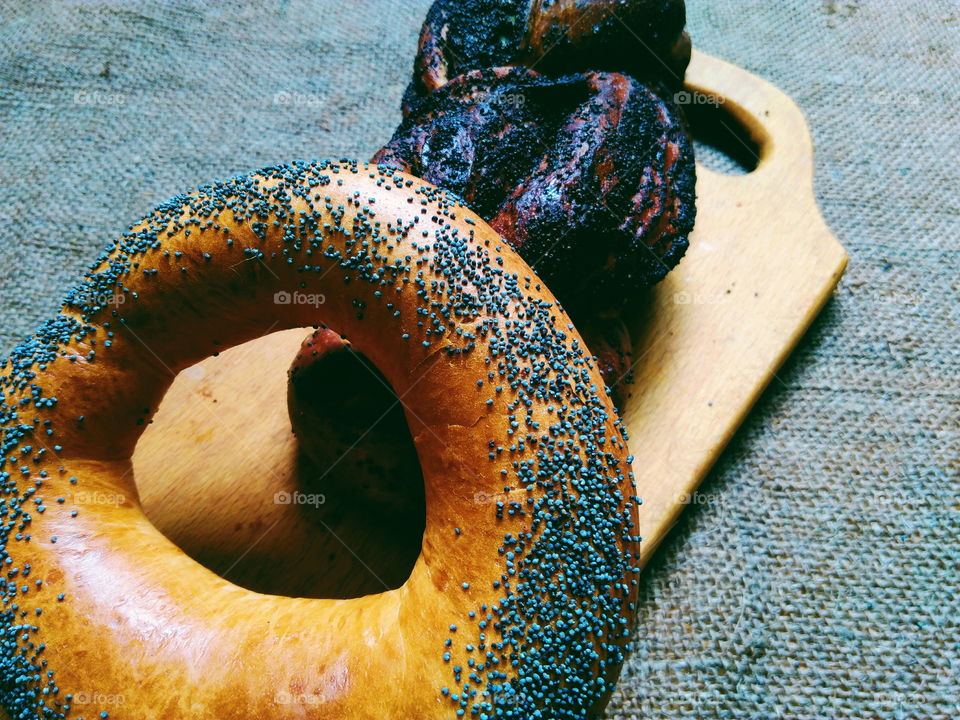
817	574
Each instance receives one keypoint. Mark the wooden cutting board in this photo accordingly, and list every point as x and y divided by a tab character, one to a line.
761	265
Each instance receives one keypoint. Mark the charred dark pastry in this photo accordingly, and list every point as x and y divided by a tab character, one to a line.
463	35
641	38
582	164
590	177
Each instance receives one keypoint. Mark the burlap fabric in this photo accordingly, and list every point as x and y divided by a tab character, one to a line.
816	575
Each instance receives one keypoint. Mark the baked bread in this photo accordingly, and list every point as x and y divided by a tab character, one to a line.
516	609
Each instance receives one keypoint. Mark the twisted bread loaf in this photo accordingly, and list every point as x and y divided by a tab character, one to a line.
641	38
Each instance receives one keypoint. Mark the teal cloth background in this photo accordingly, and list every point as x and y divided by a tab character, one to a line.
819	576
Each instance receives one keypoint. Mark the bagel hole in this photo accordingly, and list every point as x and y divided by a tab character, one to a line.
352	430
337	513
721	140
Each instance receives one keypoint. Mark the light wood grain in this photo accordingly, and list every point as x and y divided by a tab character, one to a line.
761	265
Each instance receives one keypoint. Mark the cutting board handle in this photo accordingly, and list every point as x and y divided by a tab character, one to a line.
772	120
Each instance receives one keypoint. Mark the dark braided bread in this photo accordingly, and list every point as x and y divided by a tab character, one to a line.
641	38
590	177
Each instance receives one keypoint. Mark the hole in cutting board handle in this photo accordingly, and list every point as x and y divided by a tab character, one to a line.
723	143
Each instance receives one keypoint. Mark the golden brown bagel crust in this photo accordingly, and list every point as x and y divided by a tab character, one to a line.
525	590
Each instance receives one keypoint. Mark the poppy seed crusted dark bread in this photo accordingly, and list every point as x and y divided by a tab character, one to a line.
591	177
641	38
